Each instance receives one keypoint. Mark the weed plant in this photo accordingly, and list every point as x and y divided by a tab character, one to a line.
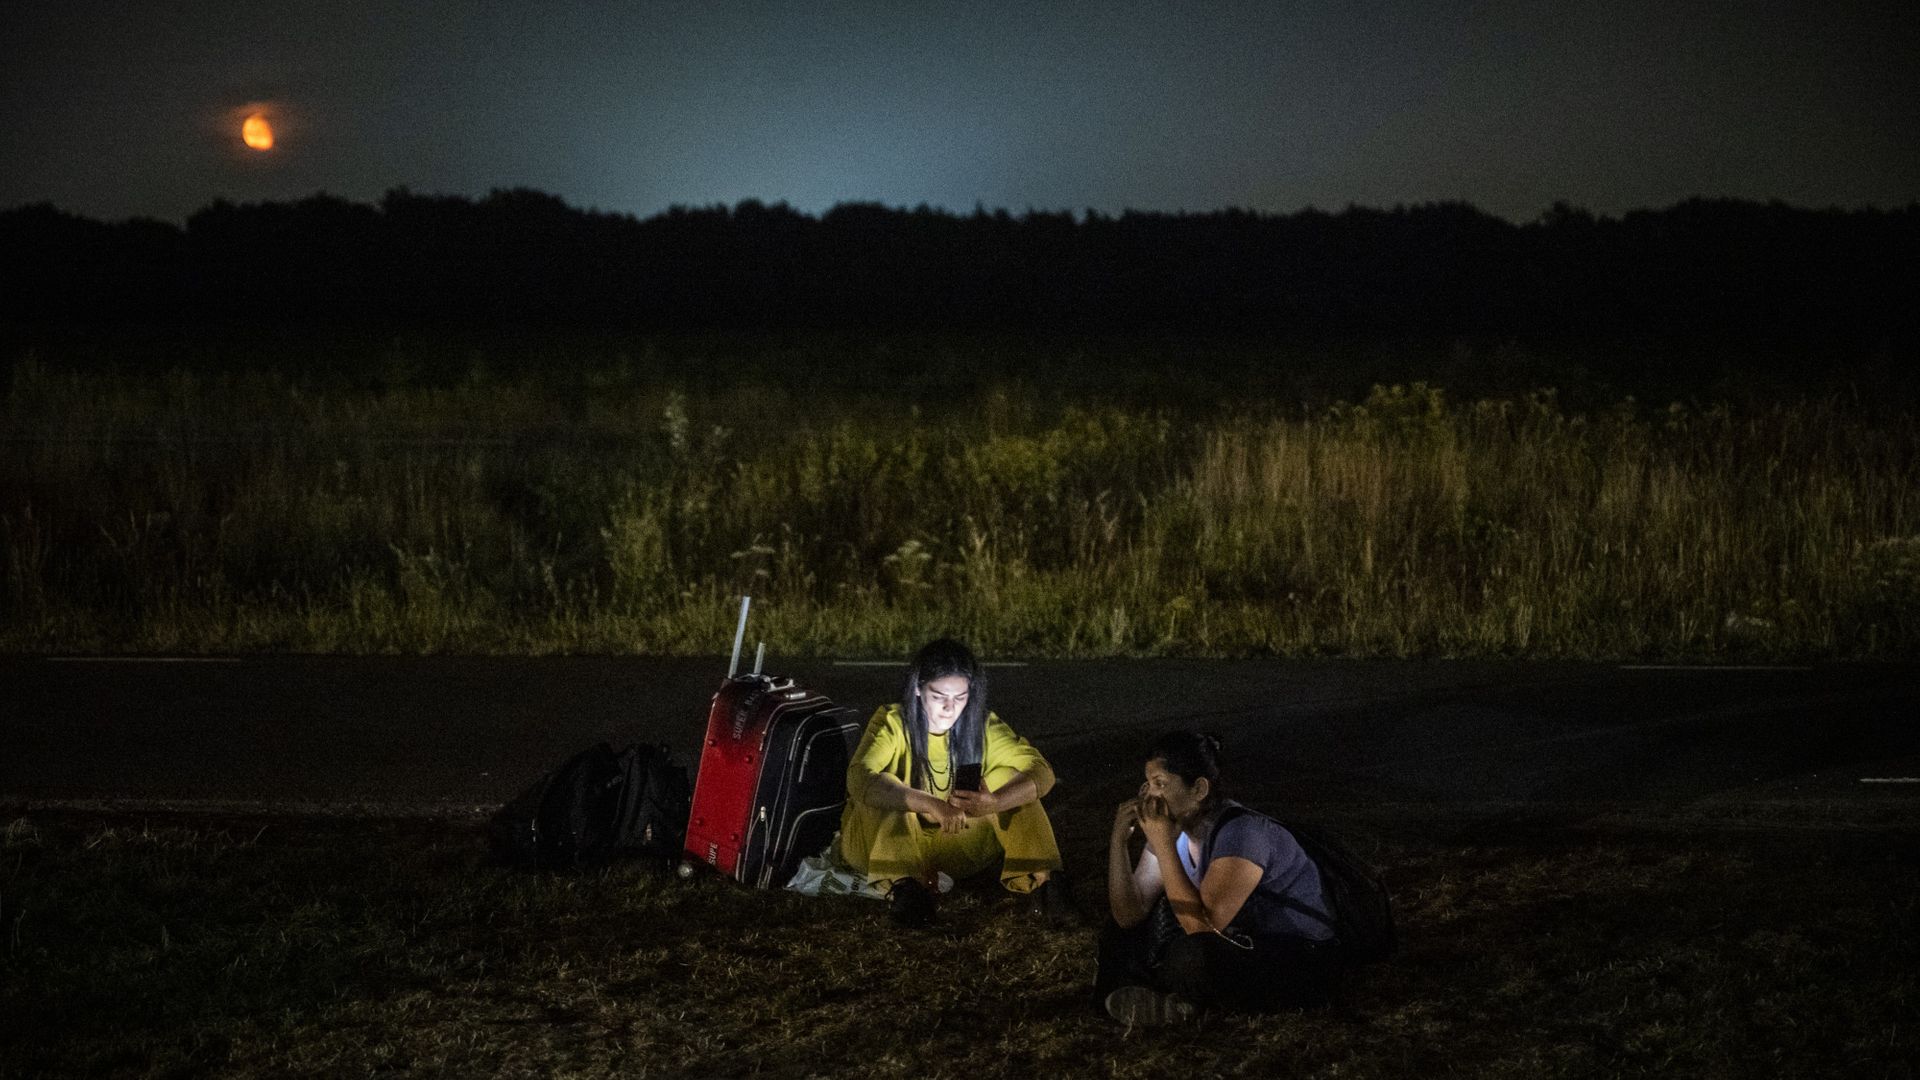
234	512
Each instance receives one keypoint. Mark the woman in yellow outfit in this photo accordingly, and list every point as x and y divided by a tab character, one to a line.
913	809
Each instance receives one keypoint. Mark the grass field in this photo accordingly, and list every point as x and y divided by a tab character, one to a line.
181	946
607	513
194	513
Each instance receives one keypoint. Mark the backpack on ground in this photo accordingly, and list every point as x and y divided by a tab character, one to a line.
1359	909
596	806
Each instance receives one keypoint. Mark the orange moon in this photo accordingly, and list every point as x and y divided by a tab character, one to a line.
257	133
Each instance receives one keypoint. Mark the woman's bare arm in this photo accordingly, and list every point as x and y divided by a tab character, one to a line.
887	792
1132	887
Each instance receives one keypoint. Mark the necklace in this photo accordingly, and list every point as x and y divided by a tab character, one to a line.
938	779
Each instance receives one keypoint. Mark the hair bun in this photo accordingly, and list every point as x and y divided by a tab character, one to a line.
1212	741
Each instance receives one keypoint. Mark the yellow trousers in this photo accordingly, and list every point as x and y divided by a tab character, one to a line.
887	845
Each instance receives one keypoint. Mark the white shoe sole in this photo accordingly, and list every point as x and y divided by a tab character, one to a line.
1141	1007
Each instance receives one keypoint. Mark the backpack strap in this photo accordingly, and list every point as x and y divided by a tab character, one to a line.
1235	810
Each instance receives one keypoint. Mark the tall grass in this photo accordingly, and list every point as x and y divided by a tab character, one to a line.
254	512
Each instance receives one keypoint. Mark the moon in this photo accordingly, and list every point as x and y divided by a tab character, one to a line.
256	132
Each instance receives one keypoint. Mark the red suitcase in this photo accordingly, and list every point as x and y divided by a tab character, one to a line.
772	778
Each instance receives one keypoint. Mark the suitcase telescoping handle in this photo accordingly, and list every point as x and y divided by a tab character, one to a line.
739	638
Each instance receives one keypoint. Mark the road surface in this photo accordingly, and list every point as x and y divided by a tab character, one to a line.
1830	743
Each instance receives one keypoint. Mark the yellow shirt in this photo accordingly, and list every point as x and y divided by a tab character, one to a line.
884	748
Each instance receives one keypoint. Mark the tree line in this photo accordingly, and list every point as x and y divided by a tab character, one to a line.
1732	272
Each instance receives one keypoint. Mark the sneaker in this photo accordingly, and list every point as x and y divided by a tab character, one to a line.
910	903
1137	1006
1053	902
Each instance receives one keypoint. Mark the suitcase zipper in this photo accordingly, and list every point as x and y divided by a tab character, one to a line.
760	825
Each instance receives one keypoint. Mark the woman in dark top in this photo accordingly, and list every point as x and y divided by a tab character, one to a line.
1221	909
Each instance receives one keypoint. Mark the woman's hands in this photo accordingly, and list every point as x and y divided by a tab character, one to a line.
951	819
1150	815
952	812
1126	818
1157	823
977	803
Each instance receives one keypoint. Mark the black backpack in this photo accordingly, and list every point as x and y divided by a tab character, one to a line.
1360	912
597	805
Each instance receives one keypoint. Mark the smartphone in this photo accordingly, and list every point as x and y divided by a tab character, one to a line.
966	777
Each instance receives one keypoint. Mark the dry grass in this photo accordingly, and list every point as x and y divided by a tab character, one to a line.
242	514
190	946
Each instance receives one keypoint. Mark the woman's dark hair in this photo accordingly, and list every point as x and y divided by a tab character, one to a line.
966	741
1190	755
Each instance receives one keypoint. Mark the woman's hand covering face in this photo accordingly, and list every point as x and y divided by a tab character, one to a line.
1157	821
1126	818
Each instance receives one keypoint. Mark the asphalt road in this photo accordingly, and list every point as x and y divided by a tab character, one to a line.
459	734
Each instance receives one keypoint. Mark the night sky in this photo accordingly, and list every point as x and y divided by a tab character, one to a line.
121	109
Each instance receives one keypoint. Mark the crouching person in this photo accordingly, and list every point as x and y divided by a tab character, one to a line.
1219	911
915	808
